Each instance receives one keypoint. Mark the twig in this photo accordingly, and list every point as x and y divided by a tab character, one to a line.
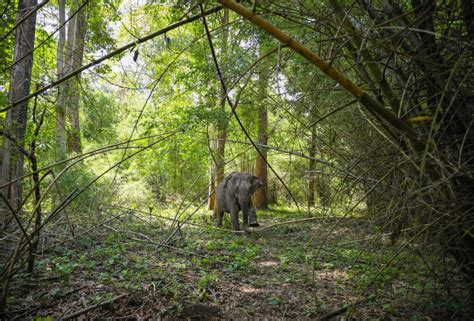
92	307
40	306
148	239
169	219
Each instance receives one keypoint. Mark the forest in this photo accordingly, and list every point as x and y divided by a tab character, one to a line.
336	134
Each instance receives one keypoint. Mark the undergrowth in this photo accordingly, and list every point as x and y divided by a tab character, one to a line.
303	269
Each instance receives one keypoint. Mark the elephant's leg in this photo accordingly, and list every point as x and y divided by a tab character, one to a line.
246	221
220	214
253	218
245	214
234	215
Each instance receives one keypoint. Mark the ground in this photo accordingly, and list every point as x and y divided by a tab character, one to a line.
301	270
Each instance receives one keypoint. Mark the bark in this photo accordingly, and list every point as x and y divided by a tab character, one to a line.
16	118
35	236
211	201
61	149
72	115
261	170
311	168
69	59
219	152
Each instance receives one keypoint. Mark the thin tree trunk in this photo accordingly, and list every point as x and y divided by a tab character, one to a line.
311	168
74	129
212	177
61	148
35	236
261	170
15	122
219	155
65	66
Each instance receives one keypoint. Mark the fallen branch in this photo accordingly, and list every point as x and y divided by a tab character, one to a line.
181	222
148	239
92	307
307	219
337	312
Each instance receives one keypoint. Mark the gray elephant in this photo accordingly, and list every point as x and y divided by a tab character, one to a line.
234	194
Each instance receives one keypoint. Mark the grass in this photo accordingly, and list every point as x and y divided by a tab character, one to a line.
295	270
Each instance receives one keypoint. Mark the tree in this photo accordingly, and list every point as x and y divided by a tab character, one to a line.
69	57
61	148
74	128
16	118
260	198
218	150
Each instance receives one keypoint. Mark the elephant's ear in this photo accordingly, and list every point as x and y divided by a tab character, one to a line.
255	183
226	180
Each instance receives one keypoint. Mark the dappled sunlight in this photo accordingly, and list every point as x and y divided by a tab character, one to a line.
336	274
249	289
268	263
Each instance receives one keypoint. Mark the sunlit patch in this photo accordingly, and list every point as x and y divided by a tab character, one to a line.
268	263
249	289
334	274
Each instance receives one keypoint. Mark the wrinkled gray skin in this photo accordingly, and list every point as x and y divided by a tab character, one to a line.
234	194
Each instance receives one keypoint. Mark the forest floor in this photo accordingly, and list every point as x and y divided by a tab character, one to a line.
302	270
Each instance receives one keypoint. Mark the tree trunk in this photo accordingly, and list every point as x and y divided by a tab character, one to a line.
15	122
219	151
261	170
69	59
311	169
61	148
74	130
212	199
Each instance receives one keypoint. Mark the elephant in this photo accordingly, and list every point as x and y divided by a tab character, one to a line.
234	194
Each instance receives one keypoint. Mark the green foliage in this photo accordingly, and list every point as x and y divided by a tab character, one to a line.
75	180
62	266
101	114
100	35
207	280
